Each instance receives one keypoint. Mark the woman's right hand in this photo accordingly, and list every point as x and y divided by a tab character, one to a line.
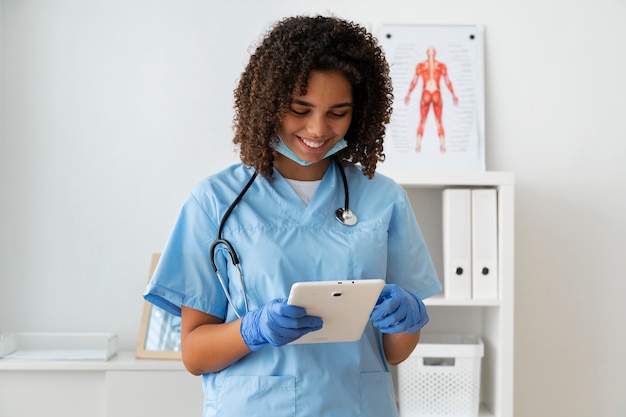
276	323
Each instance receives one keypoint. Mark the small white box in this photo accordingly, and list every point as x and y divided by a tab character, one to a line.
58	346
441	378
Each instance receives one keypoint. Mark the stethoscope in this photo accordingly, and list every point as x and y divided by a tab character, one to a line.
343	215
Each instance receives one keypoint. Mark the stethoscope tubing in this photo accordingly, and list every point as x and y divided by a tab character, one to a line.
231	250
343	215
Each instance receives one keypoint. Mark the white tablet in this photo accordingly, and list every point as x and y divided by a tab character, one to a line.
344	306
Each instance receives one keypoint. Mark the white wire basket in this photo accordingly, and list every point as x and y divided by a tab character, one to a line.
441	378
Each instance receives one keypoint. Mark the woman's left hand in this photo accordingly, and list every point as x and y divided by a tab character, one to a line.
398	311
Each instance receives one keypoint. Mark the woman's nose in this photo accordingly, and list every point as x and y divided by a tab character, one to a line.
318	126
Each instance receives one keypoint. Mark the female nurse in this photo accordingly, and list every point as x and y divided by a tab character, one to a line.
310	113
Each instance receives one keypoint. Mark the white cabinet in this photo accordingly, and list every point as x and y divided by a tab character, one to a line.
121	387
492	320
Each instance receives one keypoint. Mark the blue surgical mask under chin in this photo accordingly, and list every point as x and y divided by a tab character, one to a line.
284	150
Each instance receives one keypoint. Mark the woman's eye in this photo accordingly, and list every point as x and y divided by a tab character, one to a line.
335	115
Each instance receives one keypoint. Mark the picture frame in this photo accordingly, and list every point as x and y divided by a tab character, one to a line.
159	331
438	118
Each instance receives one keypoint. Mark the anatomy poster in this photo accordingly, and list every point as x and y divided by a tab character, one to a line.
438	85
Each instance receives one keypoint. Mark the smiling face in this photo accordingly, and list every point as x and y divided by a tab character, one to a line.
314	123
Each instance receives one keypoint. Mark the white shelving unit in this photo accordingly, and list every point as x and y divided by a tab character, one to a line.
492	320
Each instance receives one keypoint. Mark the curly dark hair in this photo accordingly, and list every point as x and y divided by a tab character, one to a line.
281	65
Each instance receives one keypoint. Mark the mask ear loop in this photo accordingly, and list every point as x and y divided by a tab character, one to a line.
231	251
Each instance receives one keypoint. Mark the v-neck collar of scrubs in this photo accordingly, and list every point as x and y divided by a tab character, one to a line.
304	189
292	206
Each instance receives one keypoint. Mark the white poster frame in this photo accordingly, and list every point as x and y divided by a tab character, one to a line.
455	142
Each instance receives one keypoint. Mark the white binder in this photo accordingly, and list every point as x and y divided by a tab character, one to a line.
457	244
484	244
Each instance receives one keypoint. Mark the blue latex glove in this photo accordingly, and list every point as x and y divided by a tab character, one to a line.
398	310
276	323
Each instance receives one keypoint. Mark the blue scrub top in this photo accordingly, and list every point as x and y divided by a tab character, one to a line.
280	241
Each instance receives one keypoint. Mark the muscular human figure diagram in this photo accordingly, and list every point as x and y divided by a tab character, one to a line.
431	71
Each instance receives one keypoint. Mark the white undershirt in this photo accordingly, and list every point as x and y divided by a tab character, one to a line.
304	189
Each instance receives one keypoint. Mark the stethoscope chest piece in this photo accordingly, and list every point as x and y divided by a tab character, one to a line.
346	216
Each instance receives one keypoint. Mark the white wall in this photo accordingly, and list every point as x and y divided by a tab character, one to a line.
111	111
